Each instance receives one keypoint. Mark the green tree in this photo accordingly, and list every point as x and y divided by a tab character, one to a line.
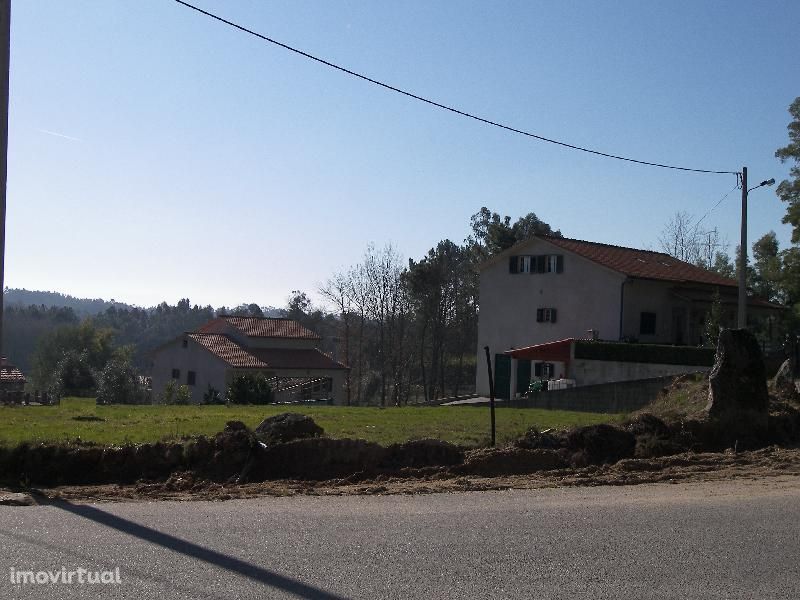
249	389
118	383
491	233
789	189
767	276
82	348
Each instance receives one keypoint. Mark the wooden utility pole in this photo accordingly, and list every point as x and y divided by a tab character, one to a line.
491	392
5	47
742	320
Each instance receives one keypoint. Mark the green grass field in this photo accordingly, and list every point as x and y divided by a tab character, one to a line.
81	418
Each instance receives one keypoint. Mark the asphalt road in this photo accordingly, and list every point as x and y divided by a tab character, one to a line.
708	540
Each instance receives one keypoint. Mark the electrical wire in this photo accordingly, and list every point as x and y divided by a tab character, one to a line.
443	106
708	212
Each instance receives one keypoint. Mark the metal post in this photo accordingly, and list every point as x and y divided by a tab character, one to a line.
5	45
491	390
742	320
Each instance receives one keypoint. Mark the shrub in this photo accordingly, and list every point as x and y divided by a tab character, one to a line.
176	394
212	396
249	389
118	383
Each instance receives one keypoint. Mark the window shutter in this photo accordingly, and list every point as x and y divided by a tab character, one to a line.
540	263
560	264
512	264
539	315
537	369
553	313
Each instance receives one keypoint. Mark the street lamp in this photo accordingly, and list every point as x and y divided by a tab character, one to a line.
742	321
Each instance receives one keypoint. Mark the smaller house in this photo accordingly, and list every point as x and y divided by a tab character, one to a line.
12	382
282	350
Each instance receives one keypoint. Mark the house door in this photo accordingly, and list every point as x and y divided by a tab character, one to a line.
502	376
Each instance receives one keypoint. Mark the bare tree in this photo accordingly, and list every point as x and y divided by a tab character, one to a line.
337	290
683	239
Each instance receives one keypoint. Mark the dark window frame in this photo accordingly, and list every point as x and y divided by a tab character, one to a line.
647	323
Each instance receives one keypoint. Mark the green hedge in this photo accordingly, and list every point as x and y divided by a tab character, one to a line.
645	353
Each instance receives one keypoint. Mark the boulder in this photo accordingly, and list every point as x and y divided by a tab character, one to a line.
286	427
738	380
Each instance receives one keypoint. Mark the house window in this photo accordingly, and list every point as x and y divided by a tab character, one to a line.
524	264
540	263
546	315
176	373
544	370
190	378
554	263
647	323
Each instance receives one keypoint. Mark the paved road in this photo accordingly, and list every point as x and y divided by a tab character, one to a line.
720	540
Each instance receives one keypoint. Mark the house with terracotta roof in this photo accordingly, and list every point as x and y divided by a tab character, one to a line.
547	289
282	350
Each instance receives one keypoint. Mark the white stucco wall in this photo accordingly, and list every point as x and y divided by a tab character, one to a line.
586	296
209	369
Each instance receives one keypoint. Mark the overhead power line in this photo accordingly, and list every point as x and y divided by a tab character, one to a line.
438	104
709	211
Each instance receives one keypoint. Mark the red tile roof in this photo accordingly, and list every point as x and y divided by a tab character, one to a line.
228	350
263	358
296	359
261	327
643	264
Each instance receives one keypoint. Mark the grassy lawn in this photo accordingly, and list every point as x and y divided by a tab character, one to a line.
135	424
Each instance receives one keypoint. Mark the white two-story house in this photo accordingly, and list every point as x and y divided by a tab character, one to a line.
547	289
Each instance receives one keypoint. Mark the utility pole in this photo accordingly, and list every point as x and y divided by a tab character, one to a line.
742	321
5	47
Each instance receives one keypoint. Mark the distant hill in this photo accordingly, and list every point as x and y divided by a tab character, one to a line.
83	307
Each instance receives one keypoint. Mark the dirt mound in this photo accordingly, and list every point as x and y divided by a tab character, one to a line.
647	424
601	444
533	439
286	427
490	462
317	459
417	454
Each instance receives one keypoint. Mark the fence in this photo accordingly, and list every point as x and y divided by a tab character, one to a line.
618	397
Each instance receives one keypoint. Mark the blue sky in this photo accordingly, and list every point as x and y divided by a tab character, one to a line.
155	154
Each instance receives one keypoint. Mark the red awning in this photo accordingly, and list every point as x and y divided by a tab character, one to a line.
551	351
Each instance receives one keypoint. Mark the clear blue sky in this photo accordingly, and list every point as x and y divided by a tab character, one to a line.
155	154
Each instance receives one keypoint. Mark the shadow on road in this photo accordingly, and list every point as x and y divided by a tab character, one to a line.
235	565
